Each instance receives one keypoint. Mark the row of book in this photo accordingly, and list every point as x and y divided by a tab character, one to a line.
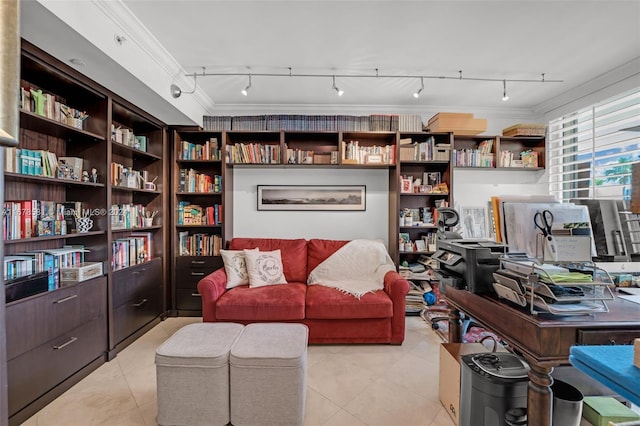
33	99
472	158
303	156
50	260
129	216
253	153
194	214
300	122
125	136
31	218
210	150
40	162
189	180
132	250
427	150
199	244
353	152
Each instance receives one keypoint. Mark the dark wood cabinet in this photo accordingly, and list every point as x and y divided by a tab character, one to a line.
137	298
190	270
56	338
52	337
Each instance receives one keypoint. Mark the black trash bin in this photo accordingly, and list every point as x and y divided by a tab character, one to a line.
490	385
567	404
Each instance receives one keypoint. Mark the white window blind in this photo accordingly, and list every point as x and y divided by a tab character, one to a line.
590	151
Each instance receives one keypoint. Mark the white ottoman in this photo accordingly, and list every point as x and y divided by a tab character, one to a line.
192	369
268	371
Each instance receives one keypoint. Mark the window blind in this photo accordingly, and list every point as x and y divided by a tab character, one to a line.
590	151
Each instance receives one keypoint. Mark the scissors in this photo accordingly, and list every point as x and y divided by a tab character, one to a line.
544	222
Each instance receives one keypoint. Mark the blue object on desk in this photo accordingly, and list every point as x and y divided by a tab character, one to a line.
611	365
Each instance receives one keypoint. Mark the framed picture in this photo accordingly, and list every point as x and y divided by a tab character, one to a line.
312	197
431	178
473	222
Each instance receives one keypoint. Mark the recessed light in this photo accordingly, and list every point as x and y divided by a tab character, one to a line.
78	62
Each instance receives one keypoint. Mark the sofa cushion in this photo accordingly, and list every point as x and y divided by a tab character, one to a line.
264	268
330	303
318	250
235	266
270	303
293	253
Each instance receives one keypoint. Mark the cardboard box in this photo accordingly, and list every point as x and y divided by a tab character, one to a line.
81	272
407	153
451	119
449	380
525	130
462	126
600	410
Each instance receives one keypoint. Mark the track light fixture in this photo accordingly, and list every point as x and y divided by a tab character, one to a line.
417	94
245	91
176	91
338	91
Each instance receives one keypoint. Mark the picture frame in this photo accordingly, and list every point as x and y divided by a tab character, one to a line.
431	178
311	197
474	222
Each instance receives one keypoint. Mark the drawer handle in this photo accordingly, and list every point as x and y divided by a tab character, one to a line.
67	343
65	299
142	302
197	262
196	295
197	274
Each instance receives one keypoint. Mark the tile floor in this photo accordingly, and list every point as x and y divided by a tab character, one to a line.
348	385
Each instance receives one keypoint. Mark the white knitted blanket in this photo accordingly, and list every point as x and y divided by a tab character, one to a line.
356	268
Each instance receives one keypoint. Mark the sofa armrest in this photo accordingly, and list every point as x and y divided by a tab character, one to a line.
397	288
211	288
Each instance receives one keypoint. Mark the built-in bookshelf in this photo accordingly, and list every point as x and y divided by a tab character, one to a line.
199	213
60	200
499	152
420	184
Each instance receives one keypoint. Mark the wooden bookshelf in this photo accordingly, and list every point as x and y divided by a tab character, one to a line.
82	322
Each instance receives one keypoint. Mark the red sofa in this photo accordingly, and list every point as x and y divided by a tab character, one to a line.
332	316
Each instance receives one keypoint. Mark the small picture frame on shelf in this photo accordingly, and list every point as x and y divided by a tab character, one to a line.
406	185
421	245
431	178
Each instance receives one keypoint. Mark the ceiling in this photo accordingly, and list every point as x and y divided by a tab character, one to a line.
576	42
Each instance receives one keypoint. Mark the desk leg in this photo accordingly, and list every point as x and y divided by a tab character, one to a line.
454	326
539	395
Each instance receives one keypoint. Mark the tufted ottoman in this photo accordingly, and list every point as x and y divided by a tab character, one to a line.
268	375
192	369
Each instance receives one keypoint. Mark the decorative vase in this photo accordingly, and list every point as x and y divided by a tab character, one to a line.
84	224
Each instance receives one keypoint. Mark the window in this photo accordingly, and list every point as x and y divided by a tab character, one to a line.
590	156
591	150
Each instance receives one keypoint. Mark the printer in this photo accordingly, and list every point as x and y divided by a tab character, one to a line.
468	264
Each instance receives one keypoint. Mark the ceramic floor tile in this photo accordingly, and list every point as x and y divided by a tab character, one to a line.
348	385
318	409
386	403
343	418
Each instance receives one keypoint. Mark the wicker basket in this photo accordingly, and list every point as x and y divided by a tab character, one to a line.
525	130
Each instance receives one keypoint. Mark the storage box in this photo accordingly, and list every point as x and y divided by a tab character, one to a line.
81	272
449	380
407	153
459	123
600	410
525	130
442	152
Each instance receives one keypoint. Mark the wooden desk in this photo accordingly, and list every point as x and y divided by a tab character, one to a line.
544	340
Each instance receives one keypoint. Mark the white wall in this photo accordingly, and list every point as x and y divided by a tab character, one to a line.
249	222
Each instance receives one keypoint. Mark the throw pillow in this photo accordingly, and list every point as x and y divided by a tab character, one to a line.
264	268
235	266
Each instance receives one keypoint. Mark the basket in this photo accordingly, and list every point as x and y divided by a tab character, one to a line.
525	130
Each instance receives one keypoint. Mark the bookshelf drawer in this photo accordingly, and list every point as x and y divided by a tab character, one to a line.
188	278
138	312
188	300
32	321
37	371
199	262
137	282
